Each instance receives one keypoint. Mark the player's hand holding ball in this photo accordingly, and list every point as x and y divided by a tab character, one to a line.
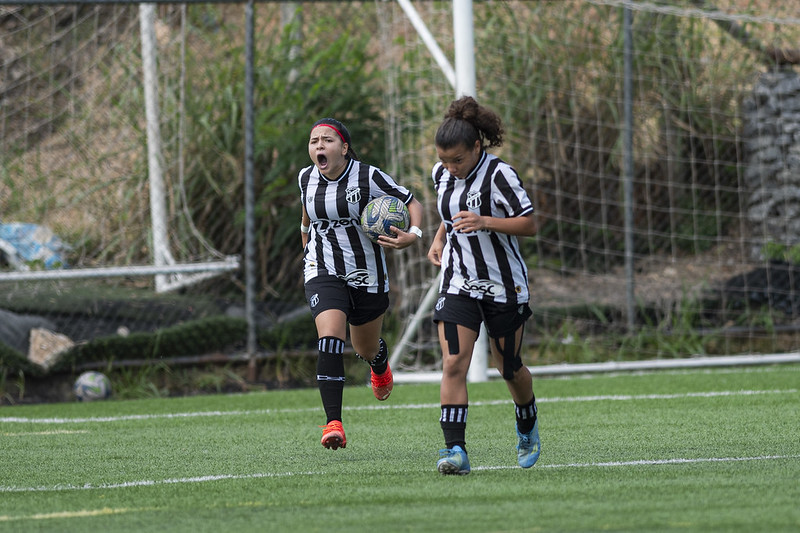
386	221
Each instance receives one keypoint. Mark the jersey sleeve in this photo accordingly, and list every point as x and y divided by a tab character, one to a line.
509	193
382	184
302	183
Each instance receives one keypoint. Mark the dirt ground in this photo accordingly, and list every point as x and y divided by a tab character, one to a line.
656	280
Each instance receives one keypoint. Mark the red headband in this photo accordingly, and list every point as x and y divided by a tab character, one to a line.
339	133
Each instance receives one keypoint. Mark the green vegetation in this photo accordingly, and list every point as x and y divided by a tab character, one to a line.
563	93
782	252
303	73
553	70
190	338
559	96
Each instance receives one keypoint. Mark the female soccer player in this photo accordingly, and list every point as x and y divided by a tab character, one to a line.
344	272
484	207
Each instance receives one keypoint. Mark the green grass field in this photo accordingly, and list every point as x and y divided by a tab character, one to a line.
704	450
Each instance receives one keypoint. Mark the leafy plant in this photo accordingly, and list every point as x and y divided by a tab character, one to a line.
190	338
297	81
140	382
782	252
564	91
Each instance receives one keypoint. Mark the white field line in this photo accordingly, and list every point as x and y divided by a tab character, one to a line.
651	462
261	412
83	513
50	432
262	475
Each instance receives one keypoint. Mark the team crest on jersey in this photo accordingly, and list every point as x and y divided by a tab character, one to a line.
314	300
473	199
358	278
440	304
485	287
353	195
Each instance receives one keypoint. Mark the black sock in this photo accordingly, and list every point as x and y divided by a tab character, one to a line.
381	361
454	425
526	415
330	376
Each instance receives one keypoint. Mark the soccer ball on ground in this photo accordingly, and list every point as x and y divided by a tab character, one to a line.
381	214
92	386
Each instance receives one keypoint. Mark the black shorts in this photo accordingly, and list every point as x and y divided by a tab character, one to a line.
500	319
329	292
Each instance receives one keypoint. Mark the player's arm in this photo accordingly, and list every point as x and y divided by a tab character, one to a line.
305	223
405	239
467	222
435	251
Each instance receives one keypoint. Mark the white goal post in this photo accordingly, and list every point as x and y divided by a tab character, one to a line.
462	78
166	277
169	275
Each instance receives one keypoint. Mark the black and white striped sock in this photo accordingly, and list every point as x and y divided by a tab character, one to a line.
454	425
526	415
381	361
330	376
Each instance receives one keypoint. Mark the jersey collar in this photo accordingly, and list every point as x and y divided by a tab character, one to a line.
474	171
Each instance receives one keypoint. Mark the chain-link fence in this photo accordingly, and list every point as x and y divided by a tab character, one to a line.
716	138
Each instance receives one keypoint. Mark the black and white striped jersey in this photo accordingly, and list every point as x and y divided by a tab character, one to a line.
336	244
483	264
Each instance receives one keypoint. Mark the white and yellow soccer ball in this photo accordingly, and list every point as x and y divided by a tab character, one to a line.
91	386
380	214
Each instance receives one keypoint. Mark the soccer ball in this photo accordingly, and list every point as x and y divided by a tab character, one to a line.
382	213
92	386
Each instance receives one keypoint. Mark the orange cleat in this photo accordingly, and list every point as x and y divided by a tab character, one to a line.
382	384
333	435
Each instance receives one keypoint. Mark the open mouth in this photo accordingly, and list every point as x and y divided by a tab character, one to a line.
322	160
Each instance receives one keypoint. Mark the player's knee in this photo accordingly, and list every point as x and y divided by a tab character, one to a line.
512	361
455	366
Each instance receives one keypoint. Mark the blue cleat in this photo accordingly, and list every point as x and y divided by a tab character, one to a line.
529	447
453	461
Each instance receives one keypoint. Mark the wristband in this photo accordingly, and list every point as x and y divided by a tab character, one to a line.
413	230
304	228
